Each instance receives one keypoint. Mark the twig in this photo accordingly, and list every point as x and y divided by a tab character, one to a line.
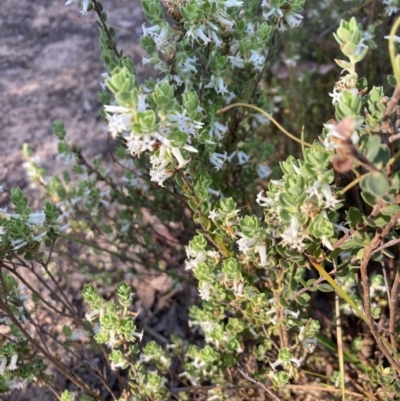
106	30
368	252
339	340
267	390
393	307
387	244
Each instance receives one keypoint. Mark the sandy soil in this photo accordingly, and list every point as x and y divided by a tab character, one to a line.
51	69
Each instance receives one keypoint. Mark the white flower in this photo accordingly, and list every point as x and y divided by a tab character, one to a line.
205	290
217	130
314	190
142	105
325	241
335	95
218	160
197	33
330	200
293	19
84	4
18	243
274	11
242	157
3	364
120	364
237	62
37	218
159	173
120	121
293	236
263	171
245	244
138	335
178	156
214	215
257	60
151	30
189	65
279	362
16	384
233	3
262	251
215	192
263	201
221	87
395	38
136	144
92	315
392	7
218	42
194	258
13	362
224	21
309	344
39	237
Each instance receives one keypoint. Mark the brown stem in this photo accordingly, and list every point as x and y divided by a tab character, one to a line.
60	366
368	252
393	307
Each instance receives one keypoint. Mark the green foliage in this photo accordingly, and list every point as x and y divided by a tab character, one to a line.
255	245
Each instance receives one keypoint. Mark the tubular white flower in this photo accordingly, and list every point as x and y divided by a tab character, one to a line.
3	364
189	65
13	362
233	3
218	130
262	251
228	24
205	290
197	33
263	171
218	42
330	200
136	144
293	19
237	62
263	201
218	160
16	384
18	243
257	60
335	95
150	30
37	218
178	156
242	157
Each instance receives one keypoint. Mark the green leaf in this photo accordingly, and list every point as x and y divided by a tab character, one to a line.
354	216
303	299
374	141
368	198
392	81
390	210
324	287
375	183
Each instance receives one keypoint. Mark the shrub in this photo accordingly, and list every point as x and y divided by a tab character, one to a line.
266	238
